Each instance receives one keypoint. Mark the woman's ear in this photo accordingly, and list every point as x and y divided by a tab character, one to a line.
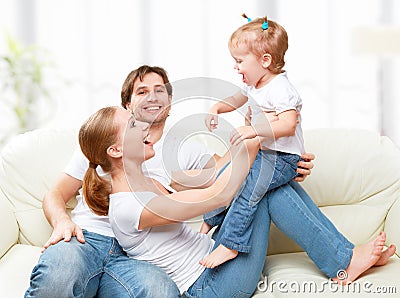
266	60
114	151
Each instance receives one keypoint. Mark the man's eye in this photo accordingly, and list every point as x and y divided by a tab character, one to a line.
132	123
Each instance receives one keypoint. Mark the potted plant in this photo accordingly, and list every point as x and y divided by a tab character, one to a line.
24	96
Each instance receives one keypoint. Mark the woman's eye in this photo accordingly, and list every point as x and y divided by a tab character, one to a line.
141	93
132	124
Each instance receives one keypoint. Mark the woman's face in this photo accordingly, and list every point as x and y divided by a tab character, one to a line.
136	145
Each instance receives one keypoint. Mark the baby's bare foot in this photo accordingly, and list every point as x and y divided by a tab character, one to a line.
386	255
220	255
364	257
205	228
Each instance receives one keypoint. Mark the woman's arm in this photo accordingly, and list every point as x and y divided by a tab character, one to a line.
184	205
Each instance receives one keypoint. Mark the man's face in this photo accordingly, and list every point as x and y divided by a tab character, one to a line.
150	101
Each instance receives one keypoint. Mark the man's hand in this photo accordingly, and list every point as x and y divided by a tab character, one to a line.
65	229
241	133
304	166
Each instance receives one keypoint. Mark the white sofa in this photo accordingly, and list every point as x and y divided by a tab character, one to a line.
356	182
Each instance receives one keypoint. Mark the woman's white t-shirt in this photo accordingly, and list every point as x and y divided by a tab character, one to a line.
176	248
191	155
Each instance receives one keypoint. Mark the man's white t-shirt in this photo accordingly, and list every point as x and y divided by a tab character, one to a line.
175	248
279	95
188	155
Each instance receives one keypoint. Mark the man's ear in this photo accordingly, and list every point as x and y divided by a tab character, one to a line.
266	60
114	151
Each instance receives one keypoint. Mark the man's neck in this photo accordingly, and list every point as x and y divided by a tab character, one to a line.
156	131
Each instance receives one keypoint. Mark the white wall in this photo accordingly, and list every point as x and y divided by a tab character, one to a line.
96	43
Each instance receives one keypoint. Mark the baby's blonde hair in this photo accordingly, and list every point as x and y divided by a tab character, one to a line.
273	41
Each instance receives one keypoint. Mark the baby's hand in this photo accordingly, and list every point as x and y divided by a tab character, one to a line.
241	133
211	121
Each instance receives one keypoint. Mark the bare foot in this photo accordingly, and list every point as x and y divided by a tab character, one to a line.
205	228
364	257
386	255
220	255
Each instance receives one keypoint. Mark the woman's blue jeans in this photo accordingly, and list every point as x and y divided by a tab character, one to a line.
292	211
97	268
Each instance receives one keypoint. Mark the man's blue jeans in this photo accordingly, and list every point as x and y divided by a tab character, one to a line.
97	268
273	170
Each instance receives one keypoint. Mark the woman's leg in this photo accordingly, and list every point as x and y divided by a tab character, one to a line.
301	220
237	277
127	277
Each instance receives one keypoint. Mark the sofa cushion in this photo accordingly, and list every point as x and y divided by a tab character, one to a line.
15	268
295	275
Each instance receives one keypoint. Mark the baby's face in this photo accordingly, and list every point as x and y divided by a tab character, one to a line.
248	65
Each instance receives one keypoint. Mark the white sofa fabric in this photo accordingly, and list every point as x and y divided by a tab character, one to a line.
356	182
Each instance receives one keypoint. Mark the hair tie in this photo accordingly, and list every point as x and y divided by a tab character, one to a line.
246	17
264	26
92	165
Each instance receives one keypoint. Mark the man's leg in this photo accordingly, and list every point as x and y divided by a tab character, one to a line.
127	277
69	269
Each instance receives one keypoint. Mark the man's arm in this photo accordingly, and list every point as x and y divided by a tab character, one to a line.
198	178
54	207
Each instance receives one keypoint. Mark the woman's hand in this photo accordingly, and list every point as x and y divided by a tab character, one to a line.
304	166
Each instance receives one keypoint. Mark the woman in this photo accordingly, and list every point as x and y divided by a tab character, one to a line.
148	222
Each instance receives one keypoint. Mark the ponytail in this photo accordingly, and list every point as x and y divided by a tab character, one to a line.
96	191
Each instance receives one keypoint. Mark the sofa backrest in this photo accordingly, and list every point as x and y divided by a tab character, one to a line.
30	164
355	181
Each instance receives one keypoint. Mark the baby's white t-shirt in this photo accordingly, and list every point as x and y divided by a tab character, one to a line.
191	155
279	95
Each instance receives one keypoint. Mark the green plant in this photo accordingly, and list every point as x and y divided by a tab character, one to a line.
22	84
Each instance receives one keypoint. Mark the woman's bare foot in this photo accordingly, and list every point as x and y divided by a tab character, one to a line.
364	257
220	255
386	255
205	228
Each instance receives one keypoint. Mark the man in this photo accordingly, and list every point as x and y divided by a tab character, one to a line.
89	262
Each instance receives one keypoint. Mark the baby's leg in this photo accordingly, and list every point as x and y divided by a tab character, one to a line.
205	228
269	170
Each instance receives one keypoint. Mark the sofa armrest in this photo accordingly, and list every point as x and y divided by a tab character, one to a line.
8	226
392	225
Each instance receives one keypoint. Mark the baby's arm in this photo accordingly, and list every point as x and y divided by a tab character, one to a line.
229	104
284	125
